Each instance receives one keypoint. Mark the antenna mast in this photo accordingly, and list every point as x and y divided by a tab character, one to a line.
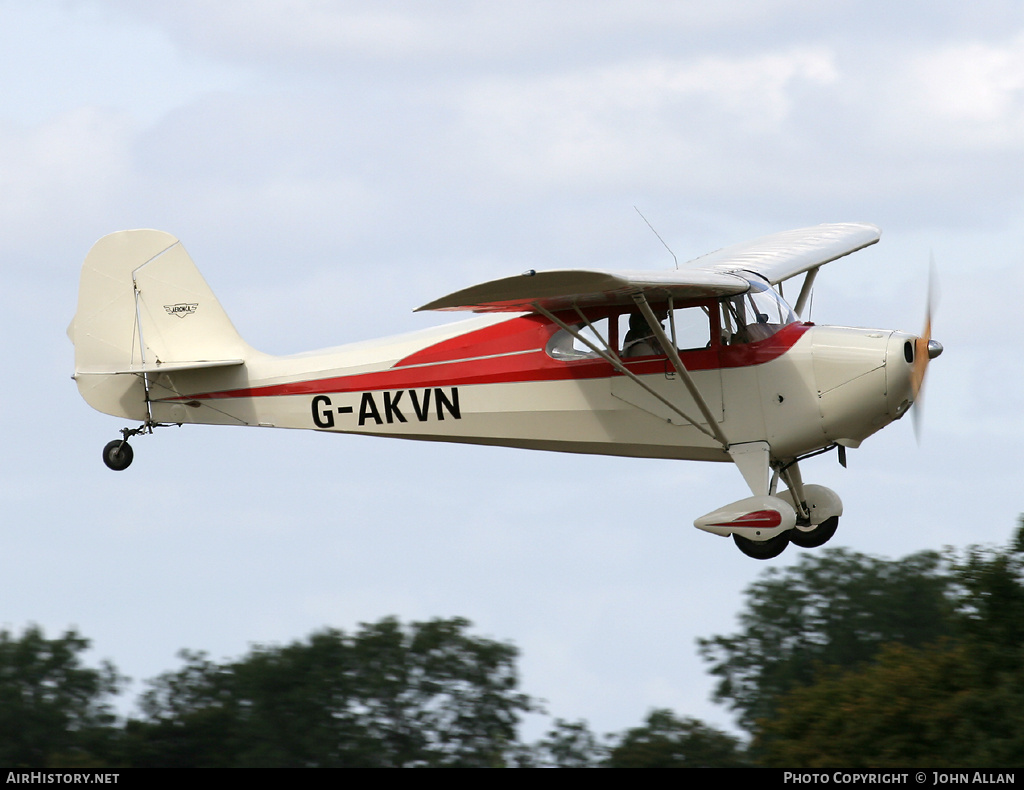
649	225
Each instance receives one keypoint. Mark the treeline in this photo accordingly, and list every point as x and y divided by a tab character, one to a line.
850	661
842	660
389	695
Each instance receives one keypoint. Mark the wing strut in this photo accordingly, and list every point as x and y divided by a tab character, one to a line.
805	291
673	354
609	356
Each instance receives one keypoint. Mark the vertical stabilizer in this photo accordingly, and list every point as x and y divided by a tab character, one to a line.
143	306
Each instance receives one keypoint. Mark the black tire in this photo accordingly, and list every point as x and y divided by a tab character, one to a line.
818	536
118	455
763	549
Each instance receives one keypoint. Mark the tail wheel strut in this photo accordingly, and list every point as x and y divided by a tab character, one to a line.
118	454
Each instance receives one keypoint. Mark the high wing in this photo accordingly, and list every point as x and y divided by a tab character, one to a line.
783	255
776	258
563	288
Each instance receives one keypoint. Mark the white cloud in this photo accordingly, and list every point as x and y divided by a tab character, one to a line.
61	173
61	55
973	92
651	120
307	31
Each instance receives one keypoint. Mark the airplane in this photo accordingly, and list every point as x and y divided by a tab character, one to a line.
704	362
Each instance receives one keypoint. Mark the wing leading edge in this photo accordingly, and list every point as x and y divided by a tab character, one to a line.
776	258
783	255
562	288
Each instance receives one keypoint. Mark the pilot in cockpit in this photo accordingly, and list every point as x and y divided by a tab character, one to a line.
640	340
761	330
755	315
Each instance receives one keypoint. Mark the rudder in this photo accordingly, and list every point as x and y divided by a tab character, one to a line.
144	307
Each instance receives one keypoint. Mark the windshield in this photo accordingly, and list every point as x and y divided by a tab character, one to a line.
755	315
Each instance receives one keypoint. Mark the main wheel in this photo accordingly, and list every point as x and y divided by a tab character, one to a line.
118	455
763	549
818	536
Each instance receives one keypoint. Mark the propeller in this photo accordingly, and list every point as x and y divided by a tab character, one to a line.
925	350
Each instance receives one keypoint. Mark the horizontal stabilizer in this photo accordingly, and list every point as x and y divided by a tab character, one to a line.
163	367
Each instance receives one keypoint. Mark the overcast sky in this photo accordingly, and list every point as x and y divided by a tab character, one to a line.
332	165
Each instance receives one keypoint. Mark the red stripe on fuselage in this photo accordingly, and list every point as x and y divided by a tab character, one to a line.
512	352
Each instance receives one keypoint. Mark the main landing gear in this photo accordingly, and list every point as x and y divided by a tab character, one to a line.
762	526
763	549
811	537
804	535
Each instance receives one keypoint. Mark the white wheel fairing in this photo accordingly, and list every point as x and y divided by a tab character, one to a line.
824	503
756	518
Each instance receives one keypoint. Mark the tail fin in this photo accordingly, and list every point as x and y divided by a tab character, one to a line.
143	307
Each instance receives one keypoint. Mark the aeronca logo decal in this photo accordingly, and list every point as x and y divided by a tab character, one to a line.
392	407
181	309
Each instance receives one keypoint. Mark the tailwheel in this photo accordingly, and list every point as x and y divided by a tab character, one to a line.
118	454
763	549
816	536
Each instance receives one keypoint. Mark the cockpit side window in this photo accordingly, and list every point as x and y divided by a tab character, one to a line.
755	315
567	347
688	327
691	327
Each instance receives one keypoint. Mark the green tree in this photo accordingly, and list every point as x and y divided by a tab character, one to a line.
54	711
833	608
990	602
566	745
911	708
428	694
956	703
666	741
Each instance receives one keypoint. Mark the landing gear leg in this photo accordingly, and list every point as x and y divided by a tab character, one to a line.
817	509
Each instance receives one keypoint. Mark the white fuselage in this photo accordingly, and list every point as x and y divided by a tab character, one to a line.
491	381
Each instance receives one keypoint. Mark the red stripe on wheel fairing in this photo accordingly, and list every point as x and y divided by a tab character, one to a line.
758	519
